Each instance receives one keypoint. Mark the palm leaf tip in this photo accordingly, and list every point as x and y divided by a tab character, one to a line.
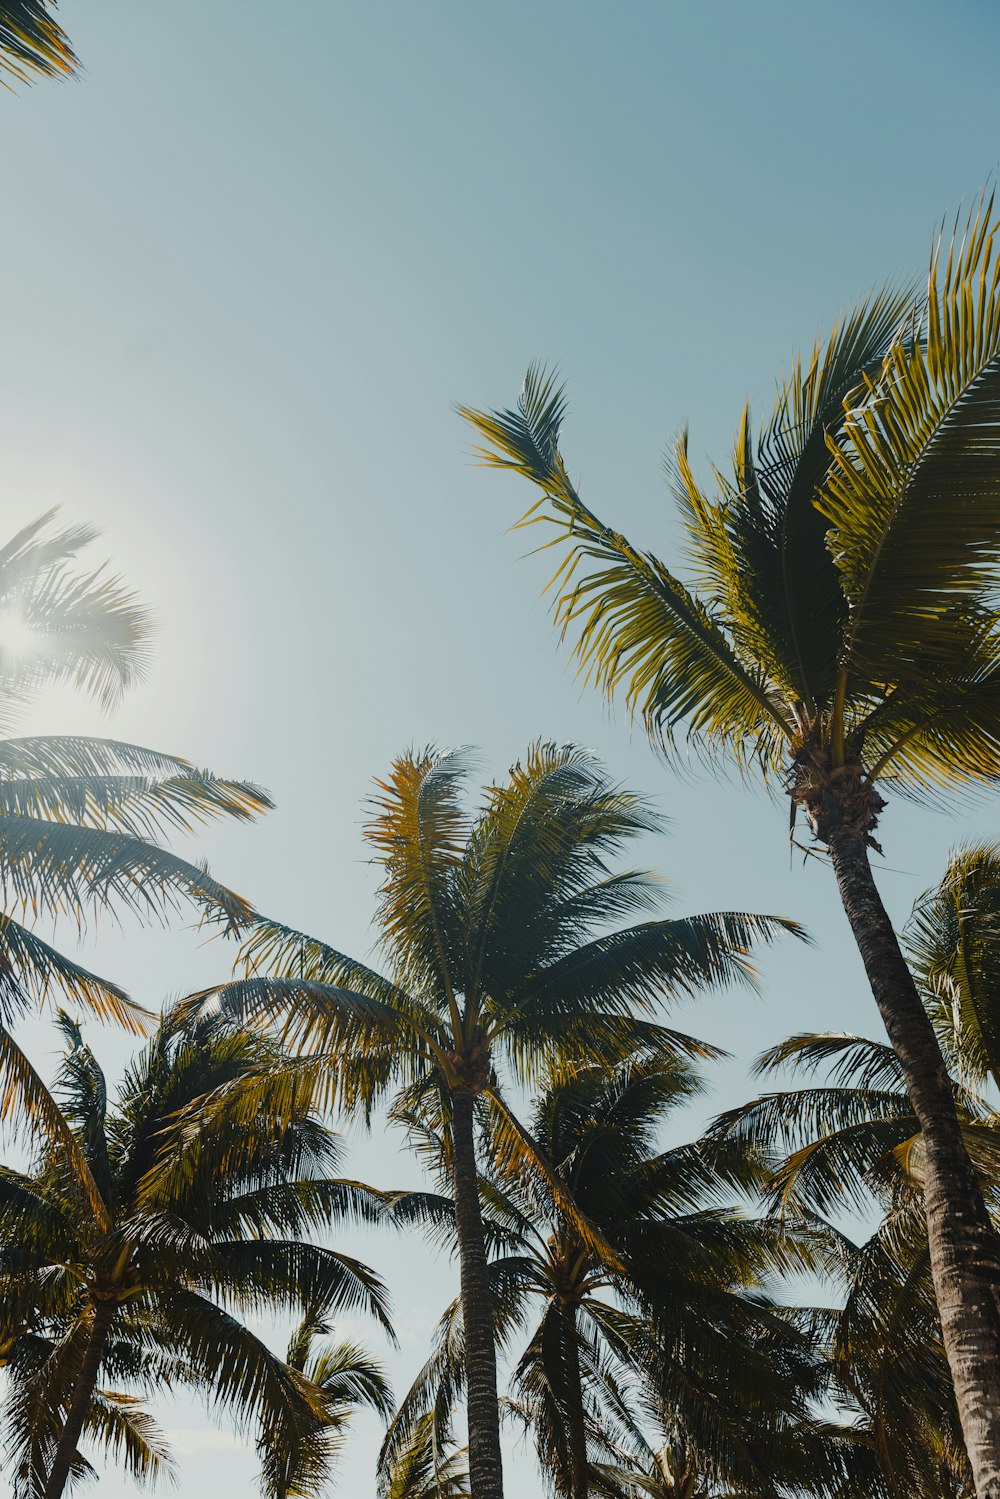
32	43
526	438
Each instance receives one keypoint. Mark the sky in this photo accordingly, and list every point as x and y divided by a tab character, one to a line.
253	256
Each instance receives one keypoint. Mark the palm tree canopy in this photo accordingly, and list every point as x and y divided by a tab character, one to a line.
675	1325
851	1143
343	1376
180	1266
841	612
496	930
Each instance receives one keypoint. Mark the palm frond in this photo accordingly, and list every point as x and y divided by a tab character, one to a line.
32	44
635	622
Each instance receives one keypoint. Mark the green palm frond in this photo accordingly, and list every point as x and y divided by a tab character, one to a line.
32	44
636	624
418	830
31	970
953	943
855	1059
58	869
633	968
914	470
130	1436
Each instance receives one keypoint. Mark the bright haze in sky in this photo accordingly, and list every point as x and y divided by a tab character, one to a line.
253	256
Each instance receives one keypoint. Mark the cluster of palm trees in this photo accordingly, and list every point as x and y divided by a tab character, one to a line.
638	1308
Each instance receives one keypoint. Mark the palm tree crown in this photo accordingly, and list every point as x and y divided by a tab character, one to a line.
141	1281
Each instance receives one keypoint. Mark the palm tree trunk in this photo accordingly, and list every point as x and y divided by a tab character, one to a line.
575	1422
964	1250
83	1393
483	1406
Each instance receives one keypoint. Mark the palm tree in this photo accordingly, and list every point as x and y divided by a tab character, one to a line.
427	1466
854	1143
343	1377
671	1319
851	1144
146	1288
488	925
32	43
841	635
80	817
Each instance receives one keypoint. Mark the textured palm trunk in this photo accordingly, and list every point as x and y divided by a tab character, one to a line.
83	1393
575	1421
964	1250
483	1407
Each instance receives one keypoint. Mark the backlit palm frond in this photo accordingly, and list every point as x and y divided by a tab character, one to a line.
232	1365
24	1095
130	1436
632	969
139	805
915	474
32	43
57	869
253	1275
282	952
636	624
428	1466
760	551
30	970
841	1142
347	1377
88	630
533	856
953	945
418	832
853	1060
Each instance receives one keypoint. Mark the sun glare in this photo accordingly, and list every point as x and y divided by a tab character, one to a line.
17	639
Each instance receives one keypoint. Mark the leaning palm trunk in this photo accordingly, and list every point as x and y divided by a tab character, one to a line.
83	1394
485	1461
965	1262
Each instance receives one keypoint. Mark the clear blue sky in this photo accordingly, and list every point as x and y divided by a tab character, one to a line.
249	262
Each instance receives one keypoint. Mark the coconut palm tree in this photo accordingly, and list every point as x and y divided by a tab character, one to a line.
343	1376
488	924
427	1466
671	1320
143	1284
81	817
32	43
839	635
853	1143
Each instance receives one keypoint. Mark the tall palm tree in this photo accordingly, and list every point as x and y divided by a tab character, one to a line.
841	636
671	1319
32	43
488	923
146	1287
81	817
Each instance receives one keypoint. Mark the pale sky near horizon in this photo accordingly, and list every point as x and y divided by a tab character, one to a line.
253	256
